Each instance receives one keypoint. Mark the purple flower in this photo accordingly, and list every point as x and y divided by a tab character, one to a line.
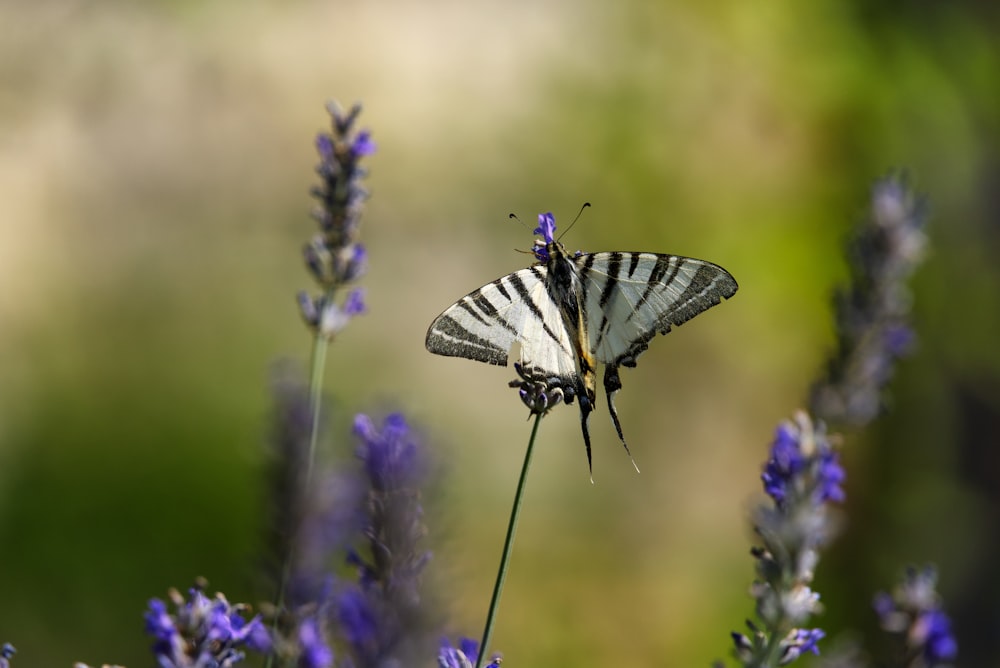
390	456
547	228
327	317
872	311
313	650
463	656
939	645
379	615
803	463
786	461
334	256
913	612
6	654
363	144
203	631
829	476
798	642
801	476
356	618
324	146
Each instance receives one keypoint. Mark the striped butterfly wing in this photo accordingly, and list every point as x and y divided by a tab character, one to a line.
630	297
516	308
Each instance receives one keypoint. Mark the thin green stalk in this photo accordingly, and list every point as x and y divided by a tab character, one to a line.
317	367
508	544
320	345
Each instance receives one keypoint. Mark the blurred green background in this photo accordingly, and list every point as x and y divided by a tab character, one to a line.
155	160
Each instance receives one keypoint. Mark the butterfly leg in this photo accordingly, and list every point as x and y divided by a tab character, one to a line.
613	383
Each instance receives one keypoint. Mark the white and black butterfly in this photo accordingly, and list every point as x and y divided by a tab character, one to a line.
569	312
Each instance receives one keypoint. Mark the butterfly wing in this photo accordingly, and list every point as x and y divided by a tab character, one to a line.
516	308
630	297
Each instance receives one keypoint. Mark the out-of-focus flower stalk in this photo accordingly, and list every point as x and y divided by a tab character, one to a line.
335	258
872	312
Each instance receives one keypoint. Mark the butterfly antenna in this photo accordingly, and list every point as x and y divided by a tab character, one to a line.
578	214
513	216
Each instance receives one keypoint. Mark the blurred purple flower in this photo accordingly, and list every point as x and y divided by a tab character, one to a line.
6	654
313	650
363	144
463	656
872	311
379	615
913	612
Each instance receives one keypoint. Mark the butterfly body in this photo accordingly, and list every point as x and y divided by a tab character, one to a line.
570	312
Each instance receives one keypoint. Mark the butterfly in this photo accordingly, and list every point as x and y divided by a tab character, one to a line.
570	312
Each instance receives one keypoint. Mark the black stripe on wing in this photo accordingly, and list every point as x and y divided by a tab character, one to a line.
448	337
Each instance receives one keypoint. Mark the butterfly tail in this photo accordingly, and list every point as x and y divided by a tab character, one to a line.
613	383
586	408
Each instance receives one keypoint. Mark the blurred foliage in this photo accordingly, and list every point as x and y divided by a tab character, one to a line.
154	166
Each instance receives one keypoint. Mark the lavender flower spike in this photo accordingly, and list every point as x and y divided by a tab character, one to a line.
380	616
335	257
872	312
802	476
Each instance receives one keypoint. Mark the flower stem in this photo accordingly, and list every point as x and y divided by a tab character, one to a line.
320	345
317	366
508	544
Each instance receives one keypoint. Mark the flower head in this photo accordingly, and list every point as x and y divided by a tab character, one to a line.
803	466
202	631
334	256
363	144
798	642
547	228
379	615
913	612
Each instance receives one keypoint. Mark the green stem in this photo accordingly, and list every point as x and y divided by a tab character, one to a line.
317	366
507	546
320	345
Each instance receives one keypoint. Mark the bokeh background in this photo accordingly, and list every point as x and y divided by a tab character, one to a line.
155	160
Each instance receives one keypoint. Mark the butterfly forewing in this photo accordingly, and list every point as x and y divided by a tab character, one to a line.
485	324
629	297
